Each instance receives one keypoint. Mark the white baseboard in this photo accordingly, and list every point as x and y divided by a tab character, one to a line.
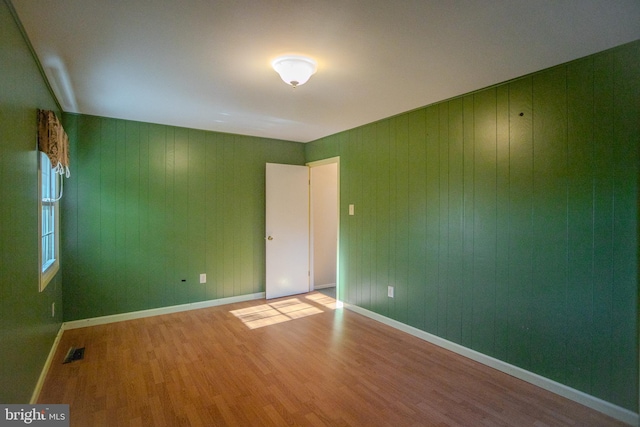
45	369
585	399
328	285
74	324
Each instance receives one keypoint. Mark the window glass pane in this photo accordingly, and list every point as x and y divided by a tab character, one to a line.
48	212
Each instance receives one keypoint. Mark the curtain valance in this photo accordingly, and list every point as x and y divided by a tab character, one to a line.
53	141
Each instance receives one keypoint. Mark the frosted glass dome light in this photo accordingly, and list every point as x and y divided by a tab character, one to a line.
294	70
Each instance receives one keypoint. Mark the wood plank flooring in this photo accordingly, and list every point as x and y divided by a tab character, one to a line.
291	361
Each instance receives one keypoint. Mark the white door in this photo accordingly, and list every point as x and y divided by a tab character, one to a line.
287	230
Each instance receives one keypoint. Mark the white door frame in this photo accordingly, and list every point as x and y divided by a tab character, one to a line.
323	162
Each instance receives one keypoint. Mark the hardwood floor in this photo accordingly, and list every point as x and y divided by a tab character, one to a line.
291	361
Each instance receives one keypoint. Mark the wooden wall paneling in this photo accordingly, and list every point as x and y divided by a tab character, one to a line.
6	215
443	218
247	205
520	223
383	234
257	216
236	222
432	214
159	294
393	216
143	271
580	233
485	228
603	111
71	240
323	148
365	215
223	249
345	222
213	230
108	228
367	212
88	175
401	294
134	294
353	166
121	212
379	234
181	244
550	223
22	178
626	277
119	147
197	215
228	200
362	205
170	214
5	244
241	258
345	219
455	221
68	222
502	220
466	334
355	226
417	218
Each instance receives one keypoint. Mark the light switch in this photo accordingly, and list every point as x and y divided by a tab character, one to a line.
203	278
352	210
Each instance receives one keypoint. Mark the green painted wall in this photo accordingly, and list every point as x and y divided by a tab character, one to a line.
149	206
507	220
27	330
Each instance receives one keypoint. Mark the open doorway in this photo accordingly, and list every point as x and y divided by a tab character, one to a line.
324	225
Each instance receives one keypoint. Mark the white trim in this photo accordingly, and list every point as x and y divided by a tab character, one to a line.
75	324
323	162
45	369
578	396
328	285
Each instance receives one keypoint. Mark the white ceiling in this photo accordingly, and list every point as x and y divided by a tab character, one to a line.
205	64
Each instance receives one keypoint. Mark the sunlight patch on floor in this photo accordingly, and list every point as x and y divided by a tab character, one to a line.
280	311
324	300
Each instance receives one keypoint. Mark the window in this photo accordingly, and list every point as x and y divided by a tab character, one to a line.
49	221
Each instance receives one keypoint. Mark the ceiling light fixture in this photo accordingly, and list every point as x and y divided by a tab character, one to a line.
294	70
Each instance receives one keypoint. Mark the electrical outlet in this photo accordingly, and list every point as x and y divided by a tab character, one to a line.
390	291
53	309
203	278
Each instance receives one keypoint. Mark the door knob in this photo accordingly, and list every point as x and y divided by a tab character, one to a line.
269	238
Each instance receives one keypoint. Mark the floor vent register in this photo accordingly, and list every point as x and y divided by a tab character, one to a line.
74	354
